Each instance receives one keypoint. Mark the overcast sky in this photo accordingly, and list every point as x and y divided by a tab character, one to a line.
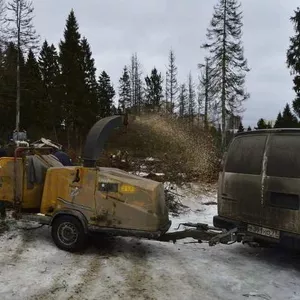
117	28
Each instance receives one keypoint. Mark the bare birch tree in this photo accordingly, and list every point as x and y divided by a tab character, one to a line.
2	22
21	32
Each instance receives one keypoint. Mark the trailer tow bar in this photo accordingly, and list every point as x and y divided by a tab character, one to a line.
202	232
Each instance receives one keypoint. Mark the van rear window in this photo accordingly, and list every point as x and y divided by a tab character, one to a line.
245	155
284	156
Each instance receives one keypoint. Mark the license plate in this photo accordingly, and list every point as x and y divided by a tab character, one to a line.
264	231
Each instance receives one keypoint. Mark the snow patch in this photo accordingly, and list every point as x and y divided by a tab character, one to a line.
32	267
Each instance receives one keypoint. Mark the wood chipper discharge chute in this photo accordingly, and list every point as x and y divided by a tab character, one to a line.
78	200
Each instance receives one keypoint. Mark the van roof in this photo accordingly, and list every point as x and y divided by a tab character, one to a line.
274	130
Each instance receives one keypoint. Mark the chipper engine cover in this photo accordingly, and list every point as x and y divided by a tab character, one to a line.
107	198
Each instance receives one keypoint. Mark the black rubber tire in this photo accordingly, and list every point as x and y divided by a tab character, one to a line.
67	223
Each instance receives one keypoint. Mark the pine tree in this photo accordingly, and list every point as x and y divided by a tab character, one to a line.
191	97
278	123
227	58
50	73
200	100
8	87
241	127
72	78
206	88
183	100
293	59
136	84
106	94
288	119
154	90
261	124
249	128
171	82
33	103
91	107
166	92
125	91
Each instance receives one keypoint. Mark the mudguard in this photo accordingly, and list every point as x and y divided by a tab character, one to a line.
75	213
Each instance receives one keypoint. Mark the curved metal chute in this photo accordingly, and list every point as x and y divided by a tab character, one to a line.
97	137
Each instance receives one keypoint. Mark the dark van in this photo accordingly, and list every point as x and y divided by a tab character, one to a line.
259	186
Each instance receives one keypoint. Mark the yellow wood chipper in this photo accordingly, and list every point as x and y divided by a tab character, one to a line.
79	200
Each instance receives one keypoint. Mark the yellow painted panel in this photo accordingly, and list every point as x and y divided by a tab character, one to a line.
7	178
127	188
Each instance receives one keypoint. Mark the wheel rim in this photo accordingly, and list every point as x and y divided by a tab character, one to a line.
67	233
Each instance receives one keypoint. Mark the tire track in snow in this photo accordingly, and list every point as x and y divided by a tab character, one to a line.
87	280
139	280
59	288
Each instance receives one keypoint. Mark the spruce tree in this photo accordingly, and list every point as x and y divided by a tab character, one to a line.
288	118
191	97
171	82
183	100
261	124
293	59
241	127
278	122
50	73
91	107
154	90
34	106
200	100
106	94
8	87
72	78
249	128
137	96
124	90
166	93
227	58
207	88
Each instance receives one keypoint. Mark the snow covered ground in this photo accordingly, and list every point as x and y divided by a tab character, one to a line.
127	268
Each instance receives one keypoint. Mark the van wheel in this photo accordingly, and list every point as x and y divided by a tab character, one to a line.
68	234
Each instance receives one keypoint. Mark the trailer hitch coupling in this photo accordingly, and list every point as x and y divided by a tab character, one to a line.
202	233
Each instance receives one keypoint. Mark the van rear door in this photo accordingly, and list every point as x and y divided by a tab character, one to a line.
240	194
282	183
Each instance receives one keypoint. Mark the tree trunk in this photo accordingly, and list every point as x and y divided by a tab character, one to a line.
206	96
18	93
18	70
223	96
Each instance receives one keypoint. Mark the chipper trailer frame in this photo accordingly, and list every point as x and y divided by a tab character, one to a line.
79	200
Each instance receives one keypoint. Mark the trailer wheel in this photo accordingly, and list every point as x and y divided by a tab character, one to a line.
68	234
